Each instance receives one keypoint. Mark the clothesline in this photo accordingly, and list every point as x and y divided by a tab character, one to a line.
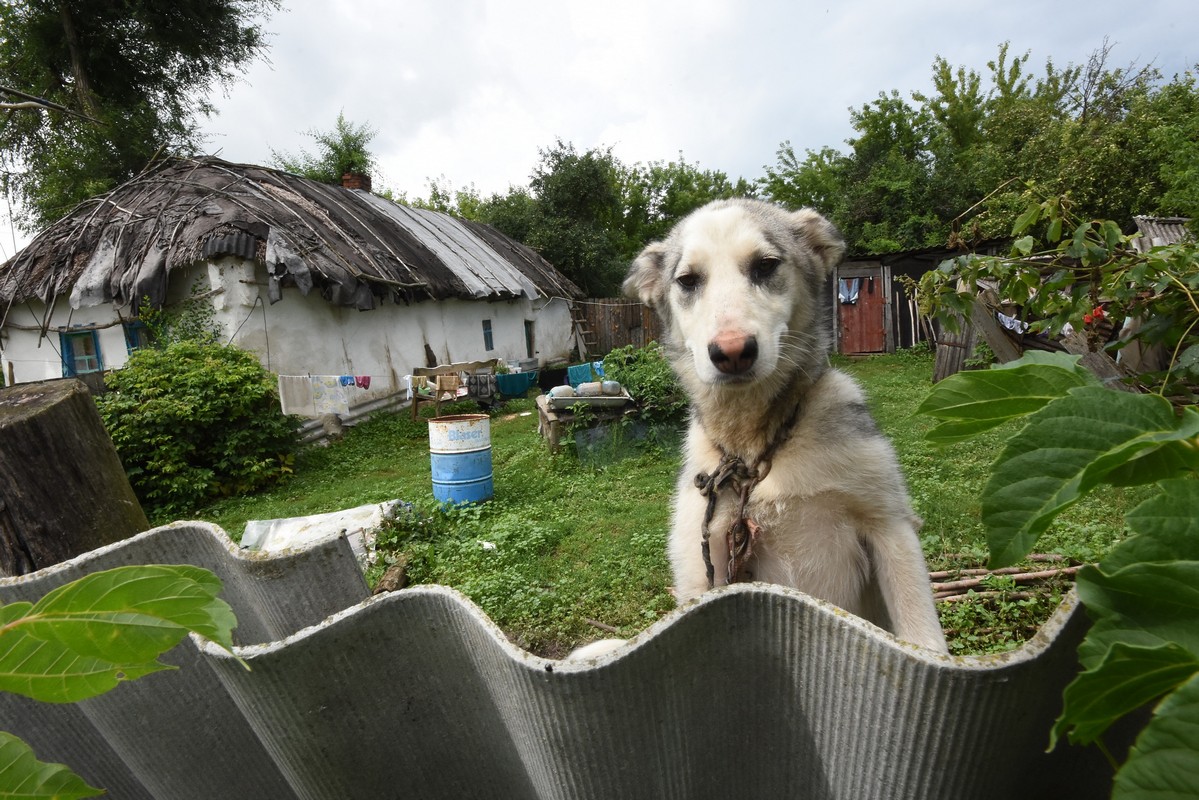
317	395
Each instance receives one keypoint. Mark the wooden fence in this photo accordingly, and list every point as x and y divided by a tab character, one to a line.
616	322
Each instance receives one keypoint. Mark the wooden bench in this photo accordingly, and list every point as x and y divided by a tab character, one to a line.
443	382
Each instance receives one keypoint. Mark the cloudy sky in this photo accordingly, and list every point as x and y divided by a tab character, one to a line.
472	89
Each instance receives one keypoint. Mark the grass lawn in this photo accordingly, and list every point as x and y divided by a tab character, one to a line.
569	542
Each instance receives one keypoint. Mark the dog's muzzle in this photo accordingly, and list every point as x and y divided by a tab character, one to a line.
733	353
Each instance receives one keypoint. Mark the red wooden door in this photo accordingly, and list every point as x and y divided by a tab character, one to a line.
863	321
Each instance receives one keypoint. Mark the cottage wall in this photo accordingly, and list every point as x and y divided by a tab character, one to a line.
302	335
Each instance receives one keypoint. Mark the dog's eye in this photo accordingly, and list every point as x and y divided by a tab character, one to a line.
763	268
688	281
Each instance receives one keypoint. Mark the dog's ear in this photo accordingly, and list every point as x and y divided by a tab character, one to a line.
649	275
820	236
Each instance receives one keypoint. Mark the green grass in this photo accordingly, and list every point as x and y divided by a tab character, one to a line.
569	542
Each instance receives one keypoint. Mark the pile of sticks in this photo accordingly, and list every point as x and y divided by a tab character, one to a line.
957	585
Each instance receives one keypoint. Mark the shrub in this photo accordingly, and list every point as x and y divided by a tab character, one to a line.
192	420
646	373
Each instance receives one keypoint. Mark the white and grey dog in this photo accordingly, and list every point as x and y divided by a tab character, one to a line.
786	479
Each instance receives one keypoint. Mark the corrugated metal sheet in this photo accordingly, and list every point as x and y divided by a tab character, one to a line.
752	691
354	247
1160	231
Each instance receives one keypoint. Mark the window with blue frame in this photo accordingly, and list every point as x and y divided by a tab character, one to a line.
488	341
80	353
137	336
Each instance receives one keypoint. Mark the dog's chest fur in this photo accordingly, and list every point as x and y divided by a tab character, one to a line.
832	474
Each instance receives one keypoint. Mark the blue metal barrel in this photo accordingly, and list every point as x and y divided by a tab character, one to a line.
460	458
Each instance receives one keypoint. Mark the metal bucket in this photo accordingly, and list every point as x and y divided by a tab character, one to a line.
460	458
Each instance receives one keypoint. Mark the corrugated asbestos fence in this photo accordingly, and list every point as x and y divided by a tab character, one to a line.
618	323
750	692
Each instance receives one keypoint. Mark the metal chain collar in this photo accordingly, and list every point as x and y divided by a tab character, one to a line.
732	472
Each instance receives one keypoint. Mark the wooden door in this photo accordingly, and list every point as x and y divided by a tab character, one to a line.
862	310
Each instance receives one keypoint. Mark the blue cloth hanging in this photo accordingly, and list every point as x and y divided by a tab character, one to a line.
579	373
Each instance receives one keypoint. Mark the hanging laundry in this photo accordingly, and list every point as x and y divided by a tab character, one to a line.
848	290
362	381
295	395
346	380
329	396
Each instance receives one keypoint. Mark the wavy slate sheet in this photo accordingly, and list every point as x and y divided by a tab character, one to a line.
752	691
177	734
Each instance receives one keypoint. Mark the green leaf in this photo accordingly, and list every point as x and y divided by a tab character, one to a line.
1027	219
1166	527
1024	245
1054	234
1164	762
83	638
972	402
1066	449
1128	678
1168	461
1147	604
23	776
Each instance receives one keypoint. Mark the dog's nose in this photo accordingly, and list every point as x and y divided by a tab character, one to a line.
733	353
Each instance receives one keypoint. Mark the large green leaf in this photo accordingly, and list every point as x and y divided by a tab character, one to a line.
1146	604
1166	528
1128	678
23	776
83	638
1068	448
1164	762
972	402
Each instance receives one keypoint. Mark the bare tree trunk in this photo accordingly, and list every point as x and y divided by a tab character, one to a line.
63	490
83	86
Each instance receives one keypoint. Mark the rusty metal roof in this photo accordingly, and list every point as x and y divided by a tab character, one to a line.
356	248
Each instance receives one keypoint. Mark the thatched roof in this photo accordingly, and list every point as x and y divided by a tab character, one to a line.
354	247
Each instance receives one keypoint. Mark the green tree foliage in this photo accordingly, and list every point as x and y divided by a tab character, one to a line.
194	420
1062	270
589	214
132	77
345	149
1118	141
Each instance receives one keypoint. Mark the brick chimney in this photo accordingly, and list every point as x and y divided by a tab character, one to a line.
354	180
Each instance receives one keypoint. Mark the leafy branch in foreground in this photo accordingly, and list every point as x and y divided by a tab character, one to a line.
1144	595
83	638
1066	273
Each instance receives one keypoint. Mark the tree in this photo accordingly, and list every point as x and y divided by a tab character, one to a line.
1115	139
657	195
338	152
131	77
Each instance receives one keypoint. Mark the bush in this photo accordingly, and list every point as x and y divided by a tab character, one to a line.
646	373
193	420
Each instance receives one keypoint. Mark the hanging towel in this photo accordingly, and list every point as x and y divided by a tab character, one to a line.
329	395
580	373
295	395
481	387
362	381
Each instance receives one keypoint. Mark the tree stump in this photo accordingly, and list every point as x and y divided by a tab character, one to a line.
63	490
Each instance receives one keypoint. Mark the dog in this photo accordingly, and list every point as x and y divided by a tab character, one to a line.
786	479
